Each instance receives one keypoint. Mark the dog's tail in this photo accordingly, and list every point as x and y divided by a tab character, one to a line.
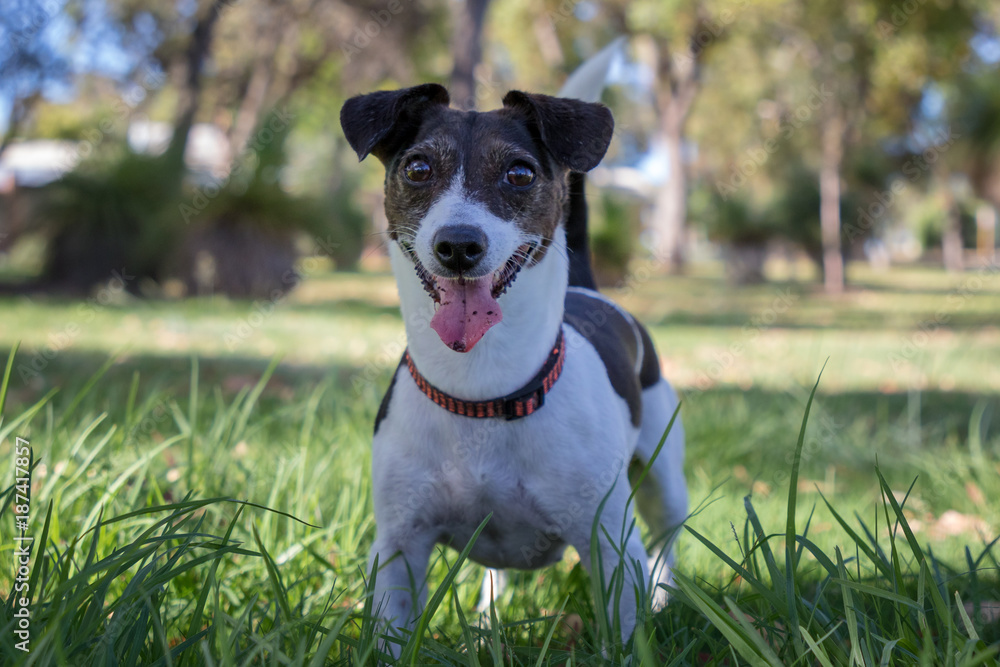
580	273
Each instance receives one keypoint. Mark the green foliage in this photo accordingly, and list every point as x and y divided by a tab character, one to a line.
930	219
613	232
976	107
735	220
254	197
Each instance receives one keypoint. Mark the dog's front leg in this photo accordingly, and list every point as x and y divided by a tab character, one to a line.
400	583
631	604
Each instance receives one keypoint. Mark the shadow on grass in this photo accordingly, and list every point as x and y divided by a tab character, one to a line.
722	414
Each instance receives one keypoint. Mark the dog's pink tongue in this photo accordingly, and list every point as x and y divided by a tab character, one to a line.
467	311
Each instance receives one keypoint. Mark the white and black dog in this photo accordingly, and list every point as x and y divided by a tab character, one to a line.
524	393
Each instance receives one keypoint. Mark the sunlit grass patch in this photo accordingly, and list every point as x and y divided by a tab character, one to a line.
151	555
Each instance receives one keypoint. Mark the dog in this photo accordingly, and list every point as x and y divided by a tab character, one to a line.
524	395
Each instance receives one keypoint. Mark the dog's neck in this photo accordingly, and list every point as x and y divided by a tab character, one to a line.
510	353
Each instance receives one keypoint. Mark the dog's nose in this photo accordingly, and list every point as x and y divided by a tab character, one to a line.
459	247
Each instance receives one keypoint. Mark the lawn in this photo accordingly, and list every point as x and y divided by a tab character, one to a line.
144	417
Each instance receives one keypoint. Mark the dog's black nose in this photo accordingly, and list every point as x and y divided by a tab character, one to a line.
459	247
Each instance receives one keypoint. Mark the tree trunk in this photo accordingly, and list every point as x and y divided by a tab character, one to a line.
190	93
986	231
829	192
250	107
19	110
669	215
270	82
951	238
467	49
677	85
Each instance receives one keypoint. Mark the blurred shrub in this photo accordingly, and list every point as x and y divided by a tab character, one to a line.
796	211
242	242
613	230
345	227
930	219
109	215
743	230
735	220
122	213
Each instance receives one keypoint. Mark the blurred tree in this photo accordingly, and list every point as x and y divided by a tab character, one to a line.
352	45
30	61
190	90
976	112
873	59
670	40
677	37
466	49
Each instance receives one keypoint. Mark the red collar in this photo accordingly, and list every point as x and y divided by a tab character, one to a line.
519	404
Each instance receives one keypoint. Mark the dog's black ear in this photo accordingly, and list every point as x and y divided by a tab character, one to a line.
577	133
379	123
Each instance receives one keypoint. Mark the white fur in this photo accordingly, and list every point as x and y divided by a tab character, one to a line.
437	474
455	207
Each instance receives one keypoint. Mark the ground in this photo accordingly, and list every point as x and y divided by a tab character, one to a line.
159	400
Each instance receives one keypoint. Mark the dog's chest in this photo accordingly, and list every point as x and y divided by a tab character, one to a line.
512	489
540	478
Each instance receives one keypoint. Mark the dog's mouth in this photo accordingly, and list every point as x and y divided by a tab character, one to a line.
467	307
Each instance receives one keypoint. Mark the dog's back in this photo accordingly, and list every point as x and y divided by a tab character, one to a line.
630	359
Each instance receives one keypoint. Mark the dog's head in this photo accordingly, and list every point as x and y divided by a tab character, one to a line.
472	198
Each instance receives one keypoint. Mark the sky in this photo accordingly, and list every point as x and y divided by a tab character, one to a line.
42	30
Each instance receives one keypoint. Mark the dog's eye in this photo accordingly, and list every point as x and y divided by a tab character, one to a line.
417	171
520	175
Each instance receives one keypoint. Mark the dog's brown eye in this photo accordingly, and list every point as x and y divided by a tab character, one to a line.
417	171
520	175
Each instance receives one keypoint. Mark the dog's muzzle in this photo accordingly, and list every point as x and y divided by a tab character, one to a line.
467	306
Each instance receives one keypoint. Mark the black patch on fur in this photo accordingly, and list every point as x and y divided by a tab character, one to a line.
381	123
383	408
577	133
580	274
649	374
613	337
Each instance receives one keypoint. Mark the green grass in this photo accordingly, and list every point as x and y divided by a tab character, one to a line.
218	511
